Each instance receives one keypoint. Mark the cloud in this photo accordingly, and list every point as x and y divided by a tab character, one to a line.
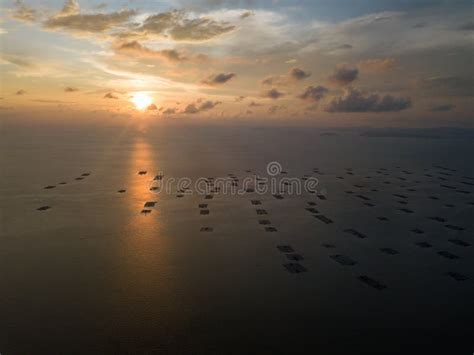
344	75
443	108
377	64
70	19
355	101
179	26
272	94
16	60
314	93
343	47
70	89
23	12
191	108
101	6
271	80
239	98
169	111
449	85
299	74
71	7
200	106
293	75
207	105
152	107
52	101
217	79
255	104
246	14
32	66
110	95
420	25
275	109
20	92
135	49
388	33
468	26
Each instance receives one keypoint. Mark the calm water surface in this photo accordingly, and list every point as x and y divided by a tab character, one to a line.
92	275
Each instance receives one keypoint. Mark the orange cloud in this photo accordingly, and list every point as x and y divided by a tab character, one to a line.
377	64
178	26
70	19
70	89
110	95
23	13
134	48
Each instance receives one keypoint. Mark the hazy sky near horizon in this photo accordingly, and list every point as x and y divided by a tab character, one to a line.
367	62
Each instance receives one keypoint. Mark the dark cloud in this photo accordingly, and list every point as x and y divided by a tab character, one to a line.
343	47
191	108
135	49
293	75
178	26
152	107
70	89
355	101
239	98
207	105
255	104
443	108
20	92
246	14
344	75
169	111
217	79
70	19
314	93
271	80
468	26
272	94
110	95
449	85
420	25
200	106
299	74
23	12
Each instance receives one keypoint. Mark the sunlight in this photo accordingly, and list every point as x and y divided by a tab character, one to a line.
141	100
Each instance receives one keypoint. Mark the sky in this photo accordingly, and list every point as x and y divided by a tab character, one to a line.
335	62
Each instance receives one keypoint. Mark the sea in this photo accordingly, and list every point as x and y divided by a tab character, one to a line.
235	253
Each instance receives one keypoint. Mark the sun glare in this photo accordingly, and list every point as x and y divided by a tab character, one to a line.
141	100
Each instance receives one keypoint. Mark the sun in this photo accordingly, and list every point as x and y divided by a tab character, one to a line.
141	100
